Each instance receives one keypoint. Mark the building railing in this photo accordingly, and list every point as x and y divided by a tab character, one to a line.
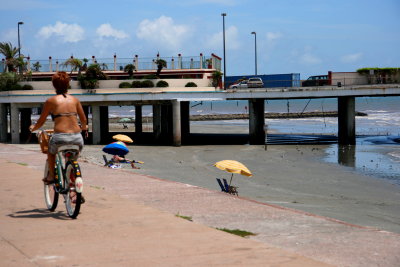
117	64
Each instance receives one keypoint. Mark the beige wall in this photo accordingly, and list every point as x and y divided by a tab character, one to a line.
348	78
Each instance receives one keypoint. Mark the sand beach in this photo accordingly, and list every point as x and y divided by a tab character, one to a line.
292	176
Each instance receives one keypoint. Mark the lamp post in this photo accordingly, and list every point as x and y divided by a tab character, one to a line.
223	34
19	42
255	50
19	46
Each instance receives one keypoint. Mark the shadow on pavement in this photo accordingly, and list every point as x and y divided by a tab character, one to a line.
39	213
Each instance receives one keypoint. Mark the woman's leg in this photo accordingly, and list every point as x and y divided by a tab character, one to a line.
51	160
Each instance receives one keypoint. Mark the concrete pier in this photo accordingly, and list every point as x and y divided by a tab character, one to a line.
171	106
176	121
347	120
256	122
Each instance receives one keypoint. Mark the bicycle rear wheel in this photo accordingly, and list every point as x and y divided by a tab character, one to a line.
50	193
73	198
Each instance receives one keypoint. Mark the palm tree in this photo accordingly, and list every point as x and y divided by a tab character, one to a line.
84	67
161	63
37	66
216	78
10	53
130	68
75	64
104	66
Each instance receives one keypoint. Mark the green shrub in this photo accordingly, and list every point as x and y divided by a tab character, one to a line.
162	84
90	79
147	84
136	84
15	87
27	87
7	80
125	85
150	77
191	84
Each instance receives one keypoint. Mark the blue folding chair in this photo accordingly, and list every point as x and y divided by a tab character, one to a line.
223	188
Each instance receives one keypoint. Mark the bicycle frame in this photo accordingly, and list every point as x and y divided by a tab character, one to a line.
60	171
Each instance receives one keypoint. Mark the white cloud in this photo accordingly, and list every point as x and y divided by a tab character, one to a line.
10	36
310	59
273	36
69	33
351	58
163	30
105	30
307	56
231	39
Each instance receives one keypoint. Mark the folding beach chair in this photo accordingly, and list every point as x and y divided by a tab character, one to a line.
225	187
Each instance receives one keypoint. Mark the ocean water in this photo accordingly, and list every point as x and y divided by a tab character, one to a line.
377	152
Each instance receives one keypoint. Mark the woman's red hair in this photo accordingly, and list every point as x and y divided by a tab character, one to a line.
61	82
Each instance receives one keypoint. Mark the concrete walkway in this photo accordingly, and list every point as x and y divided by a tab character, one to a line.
129	220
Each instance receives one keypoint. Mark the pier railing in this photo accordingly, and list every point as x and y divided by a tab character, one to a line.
118	64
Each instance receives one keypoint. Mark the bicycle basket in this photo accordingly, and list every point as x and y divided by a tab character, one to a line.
43	138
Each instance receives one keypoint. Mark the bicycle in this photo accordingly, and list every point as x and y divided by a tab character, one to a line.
68	181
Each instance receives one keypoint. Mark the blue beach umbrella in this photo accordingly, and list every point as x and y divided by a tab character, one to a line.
116	148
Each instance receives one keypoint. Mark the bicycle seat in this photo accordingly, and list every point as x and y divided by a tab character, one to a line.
68	147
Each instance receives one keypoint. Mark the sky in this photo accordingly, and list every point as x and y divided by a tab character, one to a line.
310	37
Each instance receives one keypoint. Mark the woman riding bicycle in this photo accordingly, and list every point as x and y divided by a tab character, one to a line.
64	110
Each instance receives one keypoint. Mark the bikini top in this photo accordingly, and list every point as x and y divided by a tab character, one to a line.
53	116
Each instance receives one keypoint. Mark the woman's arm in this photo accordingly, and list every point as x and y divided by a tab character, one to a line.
82	118
42	118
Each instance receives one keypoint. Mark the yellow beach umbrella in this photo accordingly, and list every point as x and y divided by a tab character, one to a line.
233	166
123	138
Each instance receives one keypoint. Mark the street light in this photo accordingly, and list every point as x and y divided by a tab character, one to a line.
255	49
19	43
223	34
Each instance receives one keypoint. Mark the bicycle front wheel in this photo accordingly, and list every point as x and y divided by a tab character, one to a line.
74	194
50	193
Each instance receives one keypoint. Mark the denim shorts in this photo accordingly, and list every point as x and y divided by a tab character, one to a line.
60	139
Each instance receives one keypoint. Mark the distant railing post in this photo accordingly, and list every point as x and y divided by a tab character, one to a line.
115	62
57	66
28	63
191	63
50	64
136	62
93	59
201	60
172	63
179	61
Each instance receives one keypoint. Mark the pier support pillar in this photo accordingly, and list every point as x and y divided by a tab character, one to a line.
96	129
185	120
166	124
104	124
3	123
14	123
138	119
176	123
26	121
157	122
256	122
347	120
